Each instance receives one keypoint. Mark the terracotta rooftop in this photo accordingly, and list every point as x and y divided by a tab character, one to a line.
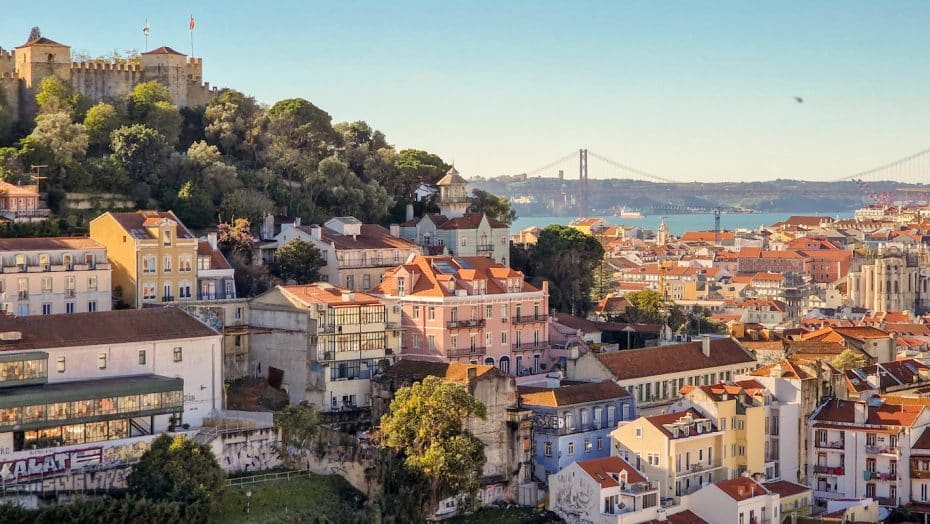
416	370
101	328
567	395
691	237
426	276
217	260
48	243
603	470
470	221
163	50
923	441
675	358
324	293
741	488
785	368
14	190
688	416
372	236
785	488
843	411
42	41
135	222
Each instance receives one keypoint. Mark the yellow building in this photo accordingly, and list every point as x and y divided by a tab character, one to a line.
152	253
682	451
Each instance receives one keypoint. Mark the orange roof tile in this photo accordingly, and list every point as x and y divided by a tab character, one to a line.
603	470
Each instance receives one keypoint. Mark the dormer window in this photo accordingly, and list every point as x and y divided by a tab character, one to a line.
401	286
166	236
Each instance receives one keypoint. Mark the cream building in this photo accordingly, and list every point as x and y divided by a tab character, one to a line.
43	276
327	342
891	282
740	500
682	451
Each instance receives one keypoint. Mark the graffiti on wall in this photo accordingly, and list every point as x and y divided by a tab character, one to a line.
36	464
250	455
114	478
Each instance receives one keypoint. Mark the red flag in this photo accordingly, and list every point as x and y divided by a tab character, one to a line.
190	26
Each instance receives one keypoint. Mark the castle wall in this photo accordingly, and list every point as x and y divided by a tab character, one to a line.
10	86
102	81
7	64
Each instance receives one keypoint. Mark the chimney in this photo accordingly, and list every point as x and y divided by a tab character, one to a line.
267	232
395	230
297	222
472	373
705	345
211	239
860	412
409	212
316	232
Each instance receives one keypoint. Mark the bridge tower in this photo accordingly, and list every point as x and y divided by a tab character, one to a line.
582	183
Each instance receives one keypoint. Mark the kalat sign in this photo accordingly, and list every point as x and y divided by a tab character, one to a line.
41	463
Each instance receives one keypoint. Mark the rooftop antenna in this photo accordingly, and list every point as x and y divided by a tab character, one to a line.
145	31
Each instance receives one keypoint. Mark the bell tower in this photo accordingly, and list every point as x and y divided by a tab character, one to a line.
662	235
453	197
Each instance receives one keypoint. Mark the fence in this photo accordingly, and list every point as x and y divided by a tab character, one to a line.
265	477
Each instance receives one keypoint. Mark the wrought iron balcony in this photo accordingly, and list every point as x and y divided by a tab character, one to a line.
525	319
466	352
465	324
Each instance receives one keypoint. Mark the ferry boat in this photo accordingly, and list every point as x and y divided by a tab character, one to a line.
628	213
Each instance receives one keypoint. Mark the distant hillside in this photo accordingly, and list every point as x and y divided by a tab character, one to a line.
551	196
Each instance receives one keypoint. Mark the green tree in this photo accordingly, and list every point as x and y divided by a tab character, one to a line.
140	150
494	206
850	359
101	120
604	283
165	118
6	120
143	99
177	469
56	134
246	203
311	124
299	427
56	95
236	123
236	237
34	34
646	306
568	259
415	167
298	261
426	427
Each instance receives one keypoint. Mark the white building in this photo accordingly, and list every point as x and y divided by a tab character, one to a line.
42	276
740	500
91	378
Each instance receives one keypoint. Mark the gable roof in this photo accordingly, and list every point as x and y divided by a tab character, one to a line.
675	358
163	50
217	260
741	488
42	41
602	469
372	236
679	417
785	488
137	221
431	274
325	293
103	327
48	243
569	394
417	370
470	221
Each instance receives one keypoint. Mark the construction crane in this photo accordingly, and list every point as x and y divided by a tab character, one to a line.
664	266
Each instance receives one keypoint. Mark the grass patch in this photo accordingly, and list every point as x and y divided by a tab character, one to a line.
301	499
514	515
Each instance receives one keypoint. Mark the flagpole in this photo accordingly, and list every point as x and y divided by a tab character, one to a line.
190	26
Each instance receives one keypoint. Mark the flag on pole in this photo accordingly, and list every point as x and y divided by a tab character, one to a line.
145	28
190	26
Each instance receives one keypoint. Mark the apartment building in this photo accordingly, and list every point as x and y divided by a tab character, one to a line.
216	279
573	421
324	343
472	309
681	451
43	276
73	385
454	230
760	433
153	256
20	204
606	489
876	343
862	449
739	500
357	255
655	375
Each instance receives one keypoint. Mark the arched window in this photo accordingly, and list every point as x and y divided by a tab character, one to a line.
489	361
504	364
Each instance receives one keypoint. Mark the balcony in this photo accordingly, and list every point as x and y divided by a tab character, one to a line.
465	324
876	475
887	501
466	352
70	293
526	319
829	470
167	298
485	248
530	346
840	444
364	262
882	450
639	488
698	468
828	495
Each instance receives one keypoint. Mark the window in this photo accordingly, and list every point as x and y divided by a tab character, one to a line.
148	264
178	355
46	284
102	360
366	282
463	242
91	306
203	263
600	443
548	452
415	312
401	286
69	307
166	236
431	313
431	341
43	262
571	447
503	337
46	309
184	263
166	266
488	311
21	261
505	311
67	261
639	432
587	445
141	357
92	283
61	365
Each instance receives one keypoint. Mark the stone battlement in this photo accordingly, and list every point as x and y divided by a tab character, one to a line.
6	55
102	65
8	76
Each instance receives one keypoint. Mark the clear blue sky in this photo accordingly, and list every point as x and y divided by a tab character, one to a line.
687	90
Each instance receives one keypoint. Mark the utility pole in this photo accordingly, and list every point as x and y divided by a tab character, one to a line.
582	183
36	174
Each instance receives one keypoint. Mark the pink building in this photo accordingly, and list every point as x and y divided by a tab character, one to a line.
471	309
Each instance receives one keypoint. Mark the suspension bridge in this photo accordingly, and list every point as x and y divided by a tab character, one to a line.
911	170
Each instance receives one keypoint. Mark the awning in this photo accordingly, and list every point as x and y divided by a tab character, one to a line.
87	390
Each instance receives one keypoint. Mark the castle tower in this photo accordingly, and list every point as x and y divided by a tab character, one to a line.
42	58
453	199
662	235
169	68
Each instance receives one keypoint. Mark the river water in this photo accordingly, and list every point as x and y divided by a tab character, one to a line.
678	224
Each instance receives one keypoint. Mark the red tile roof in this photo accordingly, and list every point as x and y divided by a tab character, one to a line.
693	237
139	220
323	293
372	236
741	488
48	244
843	411
688	416
675	358
163	50
785	488
603	469
100	328
452	371
217	260
426	273
569	394
42	41
470	221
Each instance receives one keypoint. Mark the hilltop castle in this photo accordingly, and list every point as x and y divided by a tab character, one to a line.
22	70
